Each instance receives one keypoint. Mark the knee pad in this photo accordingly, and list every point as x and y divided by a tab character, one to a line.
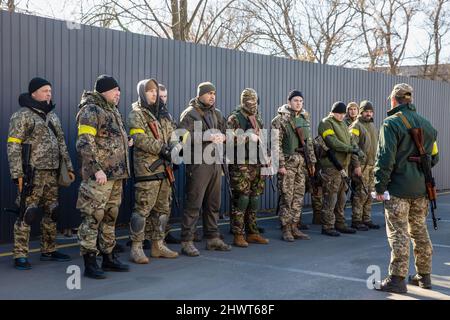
254	203
163	220
137	223
32	214
242	203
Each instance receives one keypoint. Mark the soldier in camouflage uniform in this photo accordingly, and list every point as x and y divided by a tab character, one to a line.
102	147
292	171
203	179
406	211
365	135
316	189
247	183
36	124
334	132
352	112
152	134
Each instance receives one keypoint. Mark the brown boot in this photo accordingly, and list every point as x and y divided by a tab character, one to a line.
239	241
256	238
297	234
137	255
159	250
287	233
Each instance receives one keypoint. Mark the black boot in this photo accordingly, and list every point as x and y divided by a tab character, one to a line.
420	279
171	239
22	264
393	284
91	268
330	232
111	263
346	229
360	226
372	225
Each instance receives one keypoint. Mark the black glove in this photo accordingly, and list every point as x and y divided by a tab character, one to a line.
165	153
357	151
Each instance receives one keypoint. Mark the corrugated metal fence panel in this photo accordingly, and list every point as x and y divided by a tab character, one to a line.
72	59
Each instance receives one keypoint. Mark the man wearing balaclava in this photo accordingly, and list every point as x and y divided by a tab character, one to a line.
247	183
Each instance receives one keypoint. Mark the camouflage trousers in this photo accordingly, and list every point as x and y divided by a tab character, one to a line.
148	226
45	196
247	185
151	210
334	198
292	190
405	222
362	200
99	206
316	199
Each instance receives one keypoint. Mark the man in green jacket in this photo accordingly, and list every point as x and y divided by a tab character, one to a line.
406	210
334	132
365	135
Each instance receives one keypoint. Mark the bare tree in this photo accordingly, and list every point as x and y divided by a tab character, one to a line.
394	19
371	34
299	29
170	19
437	25
330	25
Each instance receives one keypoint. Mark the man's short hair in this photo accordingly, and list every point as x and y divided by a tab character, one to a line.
162	87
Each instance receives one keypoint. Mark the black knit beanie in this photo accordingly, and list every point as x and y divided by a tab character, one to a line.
105	83
339	107
36	84
295	93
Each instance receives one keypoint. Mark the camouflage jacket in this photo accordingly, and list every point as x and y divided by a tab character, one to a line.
47	149
288	140
365	135
102	142
146	146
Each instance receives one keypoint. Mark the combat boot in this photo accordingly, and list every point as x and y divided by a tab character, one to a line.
217	244
188	248
346	229
420	279
360	226
137	255
330	232
111	263
91	268
393	284
159	250
239	241
286	233
372	225
22	264
297	234
256	238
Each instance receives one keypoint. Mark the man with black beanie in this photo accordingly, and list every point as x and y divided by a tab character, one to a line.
37	126
337	139
102	147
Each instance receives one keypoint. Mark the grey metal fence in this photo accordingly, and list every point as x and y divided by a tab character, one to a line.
72	59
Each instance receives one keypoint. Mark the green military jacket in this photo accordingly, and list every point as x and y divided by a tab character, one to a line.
102	142
365	135
337	137
393	171
28	127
